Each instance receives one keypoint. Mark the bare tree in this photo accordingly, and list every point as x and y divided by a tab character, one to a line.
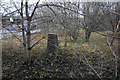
26	34
100	12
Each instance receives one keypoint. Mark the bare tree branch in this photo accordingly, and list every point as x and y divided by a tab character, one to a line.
36	43
91	66
16	7
113	53
14	35
35	8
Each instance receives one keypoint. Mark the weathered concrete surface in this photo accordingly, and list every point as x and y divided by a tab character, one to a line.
52	45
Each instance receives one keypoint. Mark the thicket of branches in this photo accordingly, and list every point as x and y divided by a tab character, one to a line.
71	18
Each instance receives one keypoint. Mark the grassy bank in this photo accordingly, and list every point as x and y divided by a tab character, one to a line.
68	62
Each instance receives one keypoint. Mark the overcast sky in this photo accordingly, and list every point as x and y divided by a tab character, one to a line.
34	1
67	0
30	1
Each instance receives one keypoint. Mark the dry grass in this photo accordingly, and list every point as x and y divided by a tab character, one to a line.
41	60
97	42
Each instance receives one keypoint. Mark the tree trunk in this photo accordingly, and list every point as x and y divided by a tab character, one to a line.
112	41
65	45
87	35
118	53
24	41
0	60
52	45
23	33
24	52
118	71
28	41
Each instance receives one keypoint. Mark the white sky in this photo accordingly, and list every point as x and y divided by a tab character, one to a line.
67	0
30	1
34	1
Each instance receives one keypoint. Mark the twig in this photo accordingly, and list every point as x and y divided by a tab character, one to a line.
36	43
13	34
113	53
91	66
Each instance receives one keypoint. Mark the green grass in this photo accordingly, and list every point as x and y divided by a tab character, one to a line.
97	42
95	51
